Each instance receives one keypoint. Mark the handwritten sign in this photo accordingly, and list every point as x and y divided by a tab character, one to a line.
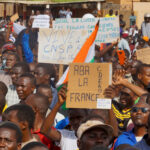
86	85
109	30
104	103
14	17
60	46
41	21
143	55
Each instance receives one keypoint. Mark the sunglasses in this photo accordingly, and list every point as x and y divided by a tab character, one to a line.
143	109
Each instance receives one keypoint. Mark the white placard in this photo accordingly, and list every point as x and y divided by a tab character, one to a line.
60	46
104	103
109	29
41	21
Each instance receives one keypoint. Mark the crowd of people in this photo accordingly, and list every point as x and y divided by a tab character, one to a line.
31	112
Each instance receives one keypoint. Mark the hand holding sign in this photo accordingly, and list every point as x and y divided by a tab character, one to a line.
62	94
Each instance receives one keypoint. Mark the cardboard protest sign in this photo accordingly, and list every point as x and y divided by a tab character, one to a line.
14	17
59	46
86	85
109	29
41	21
143	55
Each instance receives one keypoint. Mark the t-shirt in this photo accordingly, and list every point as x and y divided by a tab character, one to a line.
142	145
123	116
110	16
68	140
132	20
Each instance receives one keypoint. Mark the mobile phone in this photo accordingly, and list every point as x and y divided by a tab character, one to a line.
121	56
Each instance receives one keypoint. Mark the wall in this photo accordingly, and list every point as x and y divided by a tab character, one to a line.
140	8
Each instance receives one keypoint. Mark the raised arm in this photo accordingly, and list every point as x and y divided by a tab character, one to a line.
49	121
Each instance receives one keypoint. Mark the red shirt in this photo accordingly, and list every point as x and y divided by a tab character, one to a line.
50	144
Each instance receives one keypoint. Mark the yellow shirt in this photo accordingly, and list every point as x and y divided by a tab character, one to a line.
110	16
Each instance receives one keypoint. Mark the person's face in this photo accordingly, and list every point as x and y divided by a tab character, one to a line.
32	67
134	57
94	136
111	12
8	140
133	67
141	43
46	92
126	98
146	19
24	88
144	77
12	116
11	60
40	76
16	72
75	118
139	114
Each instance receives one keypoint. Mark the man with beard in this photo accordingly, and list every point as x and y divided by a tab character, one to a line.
139	116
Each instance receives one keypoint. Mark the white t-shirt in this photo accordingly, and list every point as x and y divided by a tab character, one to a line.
68	14
68	140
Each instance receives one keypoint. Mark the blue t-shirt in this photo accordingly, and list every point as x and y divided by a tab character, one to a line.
126	138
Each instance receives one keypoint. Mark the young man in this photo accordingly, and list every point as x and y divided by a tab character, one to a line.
34	146
94	132
26	84
24	117
43	74
11	60
47	91
139	116
40	105
144	144
18	69
66	138
121	109
10	136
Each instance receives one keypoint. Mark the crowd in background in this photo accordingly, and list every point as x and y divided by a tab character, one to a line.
31	112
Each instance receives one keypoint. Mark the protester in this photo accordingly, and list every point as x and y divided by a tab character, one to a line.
26	85
93	131
19	69
62	13
146	26
43	73
132	19
110	14
144	144
24	117
34	146
47	91
66	138
40	105
39	89
10	136
139	115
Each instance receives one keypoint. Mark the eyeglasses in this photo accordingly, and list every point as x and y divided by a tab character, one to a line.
143	109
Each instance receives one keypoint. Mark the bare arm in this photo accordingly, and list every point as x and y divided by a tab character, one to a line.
19	52
108	48
120	80
49	121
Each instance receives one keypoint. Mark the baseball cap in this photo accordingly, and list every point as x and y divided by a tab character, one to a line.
94	124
